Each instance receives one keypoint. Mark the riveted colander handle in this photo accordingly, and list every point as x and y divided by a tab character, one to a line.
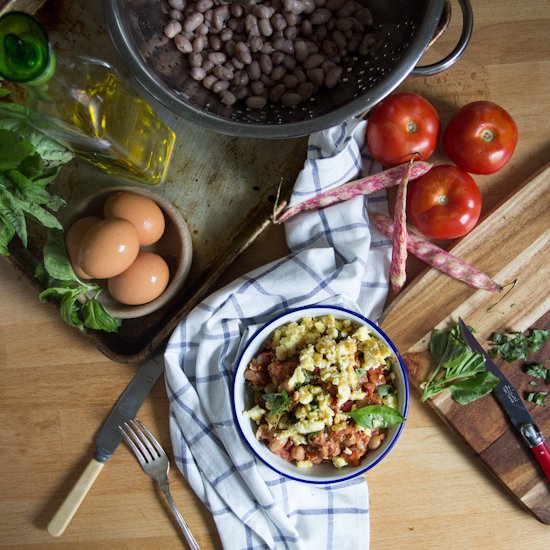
446	62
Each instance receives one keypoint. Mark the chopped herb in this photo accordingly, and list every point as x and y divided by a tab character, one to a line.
307	379
536	370
279	404
311	436
538	398
532	383
458	369
360	372
376	416
516	345
383	390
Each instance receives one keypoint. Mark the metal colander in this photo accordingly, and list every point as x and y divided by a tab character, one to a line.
404	29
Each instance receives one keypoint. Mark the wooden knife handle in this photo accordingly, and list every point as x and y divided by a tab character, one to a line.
542	454
74	499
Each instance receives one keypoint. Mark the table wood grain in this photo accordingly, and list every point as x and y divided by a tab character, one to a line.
430	493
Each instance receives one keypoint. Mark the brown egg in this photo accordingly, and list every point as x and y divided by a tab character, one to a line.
143	212
73	239
145	280
108	248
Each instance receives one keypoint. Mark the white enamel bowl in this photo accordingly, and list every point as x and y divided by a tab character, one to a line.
322	473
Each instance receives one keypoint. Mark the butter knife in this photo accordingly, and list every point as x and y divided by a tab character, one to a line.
108	439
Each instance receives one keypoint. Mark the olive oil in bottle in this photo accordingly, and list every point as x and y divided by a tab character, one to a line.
84	103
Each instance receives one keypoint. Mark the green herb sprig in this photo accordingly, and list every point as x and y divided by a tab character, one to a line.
29	162
79	304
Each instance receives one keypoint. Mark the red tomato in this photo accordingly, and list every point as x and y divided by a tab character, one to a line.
401	125
445	203
480	137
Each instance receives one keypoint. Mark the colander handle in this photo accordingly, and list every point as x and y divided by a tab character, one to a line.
446	62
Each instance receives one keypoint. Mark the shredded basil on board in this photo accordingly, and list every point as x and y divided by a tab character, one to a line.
539	398
516	345
536	370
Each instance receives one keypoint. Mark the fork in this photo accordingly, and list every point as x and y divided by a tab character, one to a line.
156	465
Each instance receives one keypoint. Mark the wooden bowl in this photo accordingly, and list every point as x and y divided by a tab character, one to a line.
174	246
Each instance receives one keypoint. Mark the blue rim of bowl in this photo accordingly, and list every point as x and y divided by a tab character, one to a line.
405	405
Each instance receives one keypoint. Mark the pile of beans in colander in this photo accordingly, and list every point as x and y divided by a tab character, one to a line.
271	50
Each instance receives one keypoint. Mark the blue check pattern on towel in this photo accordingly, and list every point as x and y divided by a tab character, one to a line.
335	258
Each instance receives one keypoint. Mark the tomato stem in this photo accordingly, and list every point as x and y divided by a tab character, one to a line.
443	200
487	135
411	127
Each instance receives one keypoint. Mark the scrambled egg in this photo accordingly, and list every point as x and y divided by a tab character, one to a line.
341	351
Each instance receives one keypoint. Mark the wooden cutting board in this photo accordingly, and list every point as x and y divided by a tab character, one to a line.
510	244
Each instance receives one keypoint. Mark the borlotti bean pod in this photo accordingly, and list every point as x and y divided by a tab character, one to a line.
277	68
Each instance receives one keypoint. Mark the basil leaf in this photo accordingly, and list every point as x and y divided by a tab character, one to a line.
376	416
7	233
56	262
69	309
4	92
46	176
13	149
55	292
32	165
12	214
14	117
95	316
28	191
474	387
438	344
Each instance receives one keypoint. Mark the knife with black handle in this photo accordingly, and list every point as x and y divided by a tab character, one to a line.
108	439
513	405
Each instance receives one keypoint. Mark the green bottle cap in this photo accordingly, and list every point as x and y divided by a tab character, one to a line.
25	50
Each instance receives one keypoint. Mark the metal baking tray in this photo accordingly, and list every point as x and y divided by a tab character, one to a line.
225	188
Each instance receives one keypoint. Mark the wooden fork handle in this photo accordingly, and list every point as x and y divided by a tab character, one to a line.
74	499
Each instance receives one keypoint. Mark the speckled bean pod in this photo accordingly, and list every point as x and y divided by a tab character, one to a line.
363	186
437	257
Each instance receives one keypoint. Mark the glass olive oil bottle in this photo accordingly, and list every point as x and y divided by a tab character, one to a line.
84	103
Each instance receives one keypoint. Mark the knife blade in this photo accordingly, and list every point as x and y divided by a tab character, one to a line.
513	405
109	437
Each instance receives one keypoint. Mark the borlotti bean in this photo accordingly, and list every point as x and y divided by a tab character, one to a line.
281	51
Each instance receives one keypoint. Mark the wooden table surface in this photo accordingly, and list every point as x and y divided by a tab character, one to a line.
430	493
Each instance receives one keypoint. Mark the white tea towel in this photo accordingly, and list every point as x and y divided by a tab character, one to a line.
335	258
